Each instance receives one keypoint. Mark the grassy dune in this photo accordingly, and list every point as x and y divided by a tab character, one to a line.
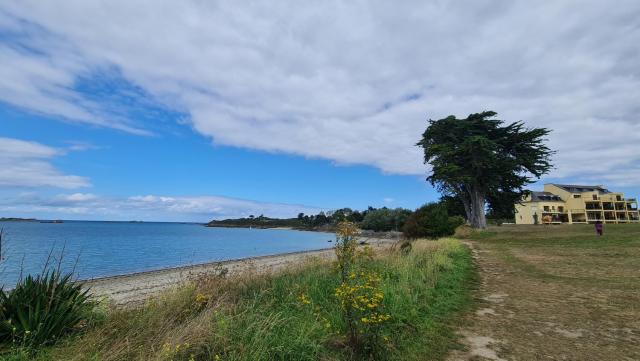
258	317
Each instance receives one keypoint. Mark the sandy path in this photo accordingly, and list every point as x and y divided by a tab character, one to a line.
134	289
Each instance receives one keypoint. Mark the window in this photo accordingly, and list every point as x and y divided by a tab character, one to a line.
595	197
546	208
560	209
576	196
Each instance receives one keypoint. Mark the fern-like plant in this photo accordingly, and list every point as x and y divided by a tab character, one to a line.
42	308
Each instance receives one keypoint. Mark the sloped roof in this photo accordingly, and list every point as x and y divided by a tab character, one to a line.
544	196
576	188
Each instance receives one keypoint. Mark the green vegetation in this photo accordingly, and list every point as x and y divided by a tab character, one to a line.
293	315
431	221
381	219
42	308
385	219
477	159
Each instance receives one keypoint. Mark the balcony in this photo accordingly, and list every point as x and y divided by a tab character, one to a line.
591	206
607	206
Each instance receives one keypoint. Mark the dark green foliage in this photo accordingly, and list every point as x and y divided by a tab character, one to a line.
478	157
454	205
385	219
431	221
41	309
501	206
325	221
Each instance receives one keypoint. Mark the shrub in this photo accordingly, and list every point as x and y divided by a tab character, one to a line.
464	231
431	221
385	219
360	295
41	309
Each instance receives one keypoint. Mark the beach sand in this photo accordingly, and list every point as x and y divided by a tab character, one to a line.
134	289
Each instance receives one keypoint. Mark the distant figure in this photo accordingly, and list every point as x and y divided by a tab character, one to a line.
535	218
599	228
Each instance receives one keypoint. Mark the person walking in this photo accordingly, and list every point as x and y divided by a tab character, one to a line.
599	227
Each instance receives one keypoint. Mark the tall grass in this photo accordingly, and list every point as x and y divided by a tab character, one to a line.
261	317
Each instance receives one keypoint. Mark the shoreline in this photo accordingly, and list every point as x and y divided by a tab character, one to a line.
135	288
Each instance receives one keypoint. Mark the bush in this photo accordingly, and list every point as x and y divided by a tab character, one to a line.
464	231
385	219
41	309
431	221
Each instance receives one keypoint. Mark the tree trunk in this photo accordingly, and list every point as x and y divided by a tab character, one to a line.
478	219
467	206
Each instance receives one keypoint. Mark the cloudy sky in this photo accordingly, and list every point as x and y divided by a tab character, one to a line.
192	110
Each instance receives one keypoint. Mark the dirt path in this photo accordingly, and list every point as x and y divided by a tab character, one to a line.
553	303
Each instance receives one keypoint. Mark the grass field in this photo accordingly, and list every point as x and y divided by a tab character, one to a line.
556	293
257	317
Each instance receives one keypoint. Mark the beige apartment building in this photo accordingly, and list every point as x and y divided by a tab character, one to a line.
569	203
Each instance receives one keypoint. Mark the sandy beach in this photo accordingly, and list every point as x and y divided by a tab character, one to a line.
134	289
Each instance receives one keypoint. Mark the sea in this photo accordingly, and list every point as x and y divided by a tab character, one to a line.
99	249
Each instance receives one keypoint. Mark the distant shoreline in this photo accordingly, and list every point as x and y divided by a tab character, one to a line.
15	219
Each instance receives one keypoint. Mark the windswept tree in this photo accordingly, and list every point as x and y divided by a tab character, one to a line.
478	157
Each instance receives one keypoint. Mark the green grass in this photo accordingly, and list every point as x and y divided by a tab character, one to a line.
258	317
562	277
576	235
575	249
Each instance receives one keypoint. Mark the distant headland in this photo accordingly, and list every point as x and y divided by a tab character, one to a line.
16	219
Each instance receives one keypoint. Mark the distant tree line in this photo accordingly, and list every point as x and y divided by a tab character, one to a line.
436	219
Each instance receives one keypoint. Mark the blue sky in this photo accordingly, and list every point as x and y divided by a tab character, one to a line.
156	111
182	163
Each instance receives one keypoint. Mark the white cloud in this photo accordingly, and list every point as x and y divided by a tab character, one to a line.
144	207
28	164
353	82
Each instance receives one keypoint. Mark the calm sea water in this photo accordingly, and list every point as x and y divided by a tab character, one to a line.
99	249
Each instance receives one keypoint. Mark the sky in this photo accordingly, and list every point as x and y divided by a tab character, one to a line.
194	110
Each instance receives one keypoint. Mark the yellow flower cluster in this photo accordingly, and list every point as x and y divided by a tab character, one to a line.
375	318
347	229
170	352
362	293
202	299
200	302
304	299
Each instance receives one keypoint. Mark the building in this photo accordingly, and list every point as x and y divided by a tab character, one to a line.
569	203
